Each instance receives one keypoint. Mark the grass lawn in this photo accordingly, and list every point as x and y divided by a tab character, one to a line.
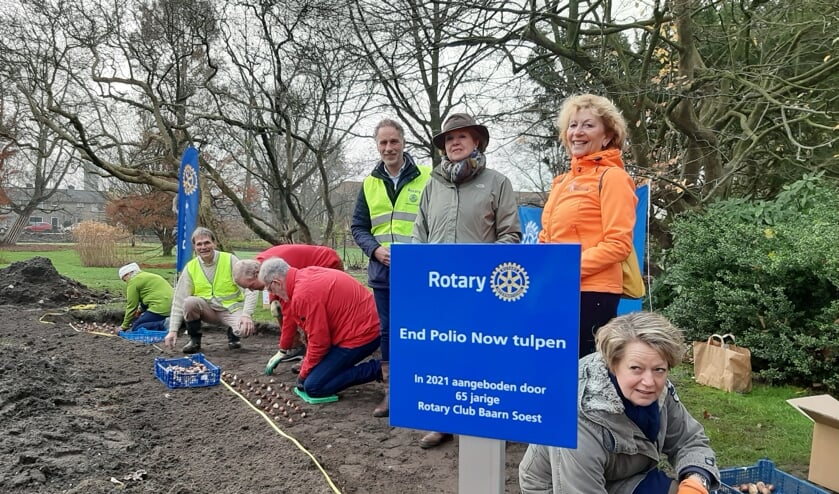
66	261
742	428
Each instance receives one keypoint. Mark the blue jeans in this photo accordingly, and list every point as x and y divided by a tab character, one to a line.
148	320
337	371
382	297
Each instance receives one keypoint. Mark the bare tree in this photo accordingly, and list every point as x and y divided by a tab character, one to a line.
421	73
724	98
126	81
39	160
8	149
150	78
292	99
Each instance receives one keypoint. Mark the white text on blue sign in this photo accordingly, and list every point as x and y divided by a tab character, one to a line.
482	338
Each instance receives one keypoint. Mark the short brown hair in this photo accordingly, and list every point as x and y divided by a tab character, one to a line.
647	327
203	232
386	122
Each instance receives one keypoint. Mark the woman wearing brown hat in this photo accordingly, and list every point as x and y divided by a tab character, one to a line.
464	201
484	203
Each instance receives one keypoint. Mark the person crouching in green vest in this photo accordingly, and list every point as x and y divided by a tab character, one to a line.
206	292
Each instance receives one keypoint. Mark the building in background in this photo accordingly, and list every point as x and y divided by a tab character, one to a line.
64	208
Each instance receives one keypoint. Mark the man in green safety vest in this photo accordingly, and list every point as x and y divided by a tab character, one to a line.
384	214
206	292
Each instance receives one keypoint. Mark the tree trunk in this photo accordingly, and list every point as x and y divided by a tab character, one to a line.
701	159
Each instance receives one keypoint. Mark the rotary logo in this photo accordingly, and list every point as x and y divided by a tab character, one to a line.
509	281
190	180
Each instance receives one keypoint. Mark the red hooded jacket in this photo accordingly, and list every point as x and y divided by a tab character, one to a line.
333	308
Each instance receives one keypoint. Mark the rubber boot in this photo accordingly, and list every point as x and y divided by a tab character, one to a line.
193	329
233	341
383	408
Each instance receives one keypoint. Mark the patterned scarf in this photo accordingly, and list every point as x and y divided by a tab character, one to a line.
461	171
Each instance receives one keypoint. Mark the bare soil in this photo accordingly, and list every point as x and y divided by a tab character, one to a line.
84	413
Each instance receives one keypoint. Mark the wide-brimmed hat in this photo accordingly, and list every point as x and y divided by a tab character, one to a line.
461	121
131	267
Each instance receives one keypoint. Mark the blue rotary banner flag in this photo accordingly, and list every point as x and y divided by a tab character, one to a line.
531	223
639	240
188	195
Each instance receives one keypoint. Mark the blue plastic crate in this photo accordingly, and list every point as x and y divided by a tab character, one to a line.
143	335
171	372
765	471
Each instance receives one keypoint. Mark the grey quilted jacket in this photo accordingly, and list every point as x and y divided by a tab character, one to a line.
612	454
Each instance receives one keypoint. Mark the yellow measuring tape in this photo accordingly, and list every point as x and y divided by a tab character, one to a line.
75	307
257	410
282	433
83	307
41	319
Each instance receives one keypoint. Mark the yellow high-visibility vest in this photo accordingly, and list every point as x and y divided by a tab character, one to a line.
223	291
393	223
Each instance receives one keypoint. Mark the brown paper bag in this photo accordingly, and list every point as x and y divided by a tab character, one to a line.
722	365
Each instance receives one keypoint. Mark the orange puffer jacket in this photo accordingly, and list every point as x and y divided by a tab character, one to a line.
598	214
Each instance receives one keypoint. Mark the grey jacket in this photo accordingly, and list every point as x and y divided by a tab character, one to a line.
480	210
613	455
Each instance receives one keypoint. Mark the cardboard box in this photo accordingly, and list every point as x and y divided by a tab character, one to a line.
823	410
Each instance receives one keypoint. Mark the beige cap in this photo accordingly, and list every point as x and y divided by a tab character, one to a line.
132	267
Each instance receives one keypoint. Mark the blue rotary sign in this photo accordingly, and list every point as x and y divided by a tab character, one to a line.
484	340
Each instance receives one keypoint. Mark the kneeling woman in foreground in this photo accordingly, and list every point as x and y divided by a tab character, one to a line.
629	420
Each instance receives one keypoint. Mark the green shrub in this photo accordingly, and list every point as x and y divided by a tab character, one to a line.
767	272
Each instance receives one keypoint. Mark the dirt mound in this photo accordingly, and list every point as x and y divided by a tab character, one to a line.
35	282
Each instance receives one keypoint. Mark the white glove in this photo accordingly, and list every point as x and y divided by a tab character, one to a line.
272	363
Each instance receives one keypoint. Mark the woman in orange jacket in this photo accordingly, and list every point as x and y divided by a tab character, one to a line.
593	204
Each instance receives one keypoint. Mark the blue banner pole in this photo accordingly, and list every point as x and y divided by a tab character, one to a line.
639	241
188	196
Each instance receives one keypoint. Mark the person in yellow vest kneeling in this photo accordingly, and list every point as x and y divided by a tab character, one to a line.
206	292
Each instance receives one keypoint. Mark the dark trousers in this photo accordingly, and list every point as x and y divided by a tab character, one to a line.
382	297
338	370
596	309
148	320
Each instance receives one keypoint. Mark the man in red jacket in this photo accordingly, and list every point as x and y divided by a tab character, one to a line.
303	255
245	273
339	318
